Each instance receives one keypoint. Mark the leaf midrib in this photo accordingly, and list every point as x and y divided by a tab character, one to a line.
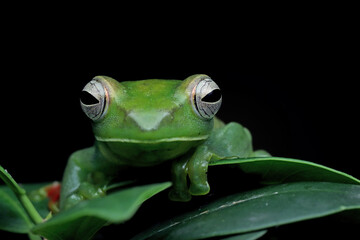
234	203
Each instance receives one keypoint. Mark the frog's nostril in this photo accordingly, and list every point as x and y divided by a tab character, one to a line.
149	120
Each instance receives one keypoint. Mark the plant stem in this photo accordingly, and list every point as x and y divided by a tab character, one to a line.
30	209
21	195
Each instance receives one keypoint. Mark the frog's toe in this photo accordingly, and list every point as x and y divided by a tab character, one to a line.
199	188
179	196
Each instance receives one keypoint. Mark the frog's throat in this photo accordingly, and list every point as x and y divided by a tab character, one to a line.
150	141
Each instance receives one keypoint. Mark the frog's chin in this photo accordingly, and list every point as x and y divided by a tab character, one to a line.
152	141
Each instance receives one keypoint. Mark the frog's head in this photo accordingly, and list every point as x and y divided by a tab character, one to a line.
151	119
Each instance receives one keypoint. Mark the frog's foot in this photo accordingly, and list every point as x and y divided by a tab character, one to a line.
84	192
198	167
193	168
199	188
179	191
179	195
198	178
260	153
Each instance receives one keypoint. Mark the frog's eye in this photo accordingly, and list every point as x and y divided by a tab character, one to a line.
93	100
206	98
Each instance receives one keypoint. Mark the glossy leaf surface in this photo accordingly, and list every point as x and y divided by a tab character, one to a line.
247	236
13	217
260	209
276	170
84	219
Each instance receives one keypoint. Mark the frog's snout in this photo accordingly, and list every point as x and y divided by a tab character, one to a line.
149	120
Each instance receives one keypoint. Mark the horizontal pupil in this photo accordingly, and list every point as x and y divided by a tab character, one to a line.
212	96
88	99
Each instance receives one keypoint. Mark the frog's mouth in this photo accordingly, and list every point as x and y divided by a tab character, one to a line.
152	141
147	152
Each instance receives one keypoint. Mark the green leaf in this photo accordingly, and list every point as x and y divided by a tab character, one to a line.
260	209
40	202
85	219
247	236
21	196
10	182
275	170
13	217
34	237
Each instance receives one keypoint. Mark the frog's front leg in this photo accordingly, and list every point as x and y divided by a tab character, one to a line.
86	176
179	171
231	140
195	167
197	171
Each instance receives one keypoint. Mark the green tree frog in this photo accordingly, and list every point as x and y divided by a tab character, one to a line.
145	123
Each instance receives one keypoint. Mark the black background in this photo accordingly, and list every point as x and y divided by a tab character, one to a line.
291	78
298	98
